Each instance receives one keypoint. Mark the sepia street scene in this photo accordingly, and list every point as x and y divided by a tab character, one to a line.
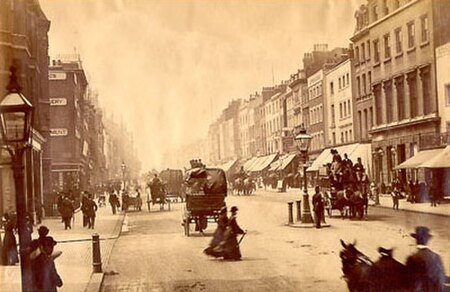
223	145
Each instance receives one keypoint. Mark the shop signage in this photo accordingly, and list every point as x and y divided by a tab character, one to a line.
57	76
61	101
58	132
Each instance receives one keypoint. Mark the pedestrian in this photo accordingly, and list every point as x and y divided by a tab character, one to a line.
318	207
66	212
395	194
433	193
230	245
90	209
84	199
125	201
45	276
35	243
218	236
10	256
138	200
114	201
424	268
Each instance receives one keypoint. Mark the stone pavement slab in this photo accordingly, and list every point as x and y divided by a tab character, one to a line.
75	264
442	209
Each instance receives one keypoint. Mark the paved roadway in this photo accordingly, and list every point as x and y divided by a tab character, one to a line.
156	256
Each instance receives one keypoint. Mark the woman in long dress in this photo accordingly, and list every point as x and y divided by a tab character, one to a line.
218	235
230	247
10	255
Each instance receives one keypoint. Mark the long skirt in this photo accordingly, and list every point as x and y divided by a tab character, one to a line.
213	248
9	253
231	249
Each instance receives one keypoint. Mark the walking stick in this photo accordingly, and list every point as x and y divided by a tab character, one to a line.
242	237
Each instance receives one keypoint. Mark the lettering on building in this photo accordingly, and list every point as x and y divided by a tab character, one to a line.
57	76
61	101
58	132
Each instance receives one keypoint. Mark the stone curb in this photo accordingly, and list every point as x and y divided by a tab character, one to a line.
413	211
96	280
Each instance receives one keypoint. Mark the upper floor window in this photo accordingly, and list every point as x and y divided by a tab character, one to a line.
424	27
331	88
387	46
375	12
447	92
376	51
411	34
357	54
363	52
368	49
398	40
385	7
348	79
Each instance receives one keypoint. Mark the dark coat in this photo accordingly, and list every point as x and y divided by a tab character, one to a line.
90	207
10	256
425	271
318	203
66	208
45	276
231	247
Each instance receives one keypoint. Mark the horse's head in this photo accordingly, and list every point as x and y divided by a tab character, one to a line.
355	265
350	254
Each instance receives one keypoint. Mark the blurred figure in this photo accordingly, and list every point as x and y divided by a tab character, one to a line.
114	201
218	235
10	255
66	212
231	249
90	210
424	268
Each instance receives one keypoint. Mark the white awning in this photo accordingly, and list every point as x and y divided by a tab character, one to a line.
353	152
249	163
263	162
285	160
433	158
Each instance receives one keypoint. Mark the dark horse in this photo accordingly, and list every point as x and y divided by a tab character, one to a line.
361	274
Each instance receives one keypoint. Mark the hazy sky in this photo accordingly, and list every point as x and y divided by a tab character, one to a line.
168	67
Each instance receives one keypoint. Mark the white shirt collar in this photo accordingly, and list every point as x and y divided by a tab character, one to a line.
421	246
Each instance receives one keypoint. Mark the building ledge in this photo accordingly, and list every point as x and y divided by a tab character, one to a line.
405	123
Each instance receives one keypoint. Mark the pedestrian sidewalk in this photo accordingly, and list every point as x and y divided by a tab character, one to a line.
442	209
75	264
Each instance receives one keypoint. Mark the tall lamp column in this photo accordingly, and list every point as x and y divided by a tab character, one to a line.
302	141
15	127
124	167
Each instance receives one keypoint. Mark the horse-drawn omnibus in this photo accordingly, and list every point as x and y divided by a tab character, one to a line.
172	180
206	189
345	187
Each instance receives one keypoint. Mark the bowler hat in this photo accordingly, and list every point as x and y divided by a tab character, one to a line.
234	209
43	230
422	234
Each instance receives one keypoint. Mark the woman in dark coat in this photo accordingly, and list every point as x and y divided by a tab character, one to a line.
231	249
10	255
218	236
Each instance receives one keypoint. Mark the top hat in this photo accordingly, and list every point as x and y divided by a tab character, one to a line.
234	209
223	210
422	233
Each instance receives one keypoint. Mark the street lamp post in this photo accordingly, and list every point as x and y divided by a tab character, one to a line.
302	141
124	167
15	126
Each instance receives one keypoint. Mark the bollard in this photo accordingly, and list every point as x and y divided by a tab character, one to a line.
290	215
96	256
299	212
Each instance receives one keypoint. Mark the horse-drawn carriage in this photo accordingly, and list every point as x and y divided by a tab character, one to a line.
206	189
346	187
172	180
157	195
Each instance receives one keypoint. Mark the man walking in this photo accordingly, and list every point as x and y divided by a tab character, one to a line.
90	209
319	206
424	267
114	202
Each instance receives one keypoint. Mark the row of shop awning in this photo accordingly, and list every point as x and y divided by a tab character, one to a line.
227	165
259	163
433	158
353	152
282	162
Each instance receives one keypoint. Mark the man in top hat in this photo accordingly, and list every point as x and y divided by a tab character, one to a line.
318	207
424	267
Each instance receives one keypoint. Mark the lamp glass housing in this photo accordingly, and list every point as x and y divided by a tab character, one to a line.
303	141
15	118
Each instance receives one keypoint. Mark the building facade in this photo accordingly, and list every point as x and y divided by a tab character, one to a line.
24	45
